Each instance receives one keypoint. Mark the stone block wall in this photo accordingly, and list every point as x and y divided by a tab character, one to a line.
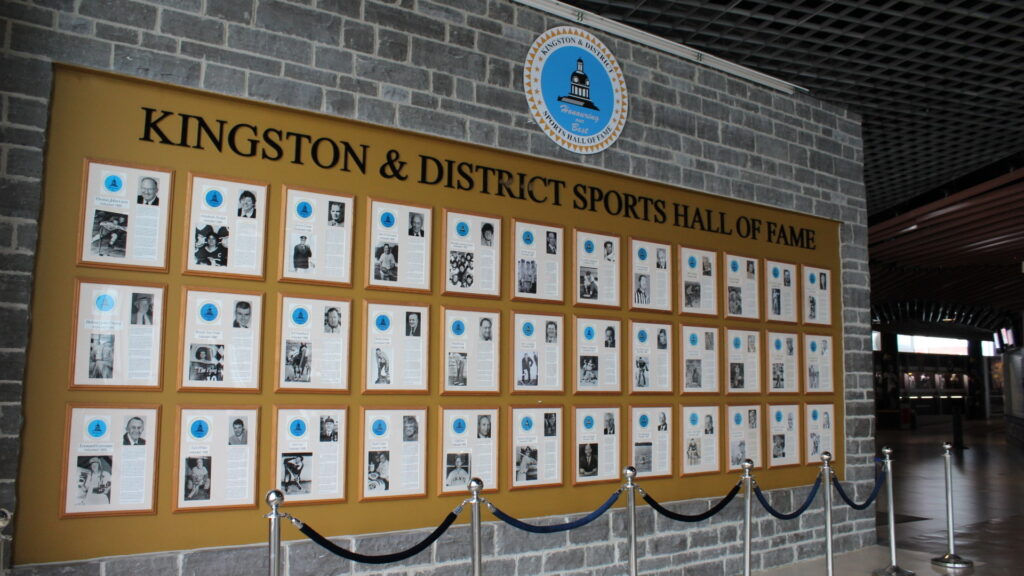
451	68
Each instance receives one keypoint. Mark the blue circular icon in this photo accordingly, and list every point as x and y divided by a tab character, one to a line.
813	278
775	271
379	427
588	332
642	336
814	346
736	343
458	327
588	422
737	419
459	426
297	428
526	423
199	429
462	229
642	253
527	237
778	344
105	302
588	246
209	312
778	415
528	329
304	209
387	219
734	266
383	323
694	419
644	421
691	262
214	198
693	339
97	428
814	415
113	183
300	316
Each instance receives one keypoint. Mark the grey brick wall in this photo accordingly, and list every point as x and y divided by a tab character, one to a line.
451	68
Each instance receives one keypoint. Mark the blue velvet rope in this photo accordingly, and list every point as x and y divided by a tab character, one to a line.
555	527
696	517
798	512
874	493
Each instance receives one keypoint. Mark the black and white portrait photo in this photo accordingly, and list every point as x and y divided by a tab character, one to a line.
295	478
588	283
109	234
101	356
385	262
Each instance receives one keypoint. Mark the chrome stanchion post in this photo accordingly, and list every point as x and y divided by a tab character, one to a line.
475	486
6	517
950	558
630	487
274	499
748	501
826	481
892	569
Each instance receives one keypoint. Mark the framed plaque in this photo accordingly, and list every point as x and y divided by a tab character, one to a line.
313	339
743	435
538	261
743	354
227	227
399	238
535	446
309	453
471	353
741	287
316	245
596	364
650	275
395	356
650	358
818	364
699	349
394	447
110	459
126	211
469	449
595	442
596	269
650	440
817	296
221	341
215	457
783	435
780	291
537	352
698	281
118	336
701	430
783	363
473	254
820	432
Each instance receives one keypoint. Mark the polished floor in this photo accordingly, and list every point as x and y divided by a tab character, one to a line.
988	487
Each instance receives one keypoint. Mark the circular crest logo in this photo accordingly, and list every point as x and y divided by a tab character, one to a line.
298	428
304	209
387	220
812	279
379	427
775	271
588	422
97	428
528	329
199	429
693	420
737	419
462	229
300	316
105	302
382	322
527	237
642	336
458	327
692	262
778	415
526	423
693	339
814	415
113	183
778	344
644	421
459	426
814	346
642	253
575	90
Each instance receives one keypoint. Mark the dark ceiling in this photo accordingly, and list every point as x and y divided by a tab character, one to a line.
940	88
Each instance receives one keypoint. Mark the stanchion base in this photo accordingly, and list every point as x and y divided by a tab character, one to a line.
948	560
893	570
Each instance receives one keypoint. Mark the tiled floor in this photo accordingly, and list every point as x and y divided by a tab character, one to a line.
988	505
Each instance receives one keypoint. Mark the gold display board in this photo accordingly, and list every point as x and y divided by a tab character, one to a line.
102	117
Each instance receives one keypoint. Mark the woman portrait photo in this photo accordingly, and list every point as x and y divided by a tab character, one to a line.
94	479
